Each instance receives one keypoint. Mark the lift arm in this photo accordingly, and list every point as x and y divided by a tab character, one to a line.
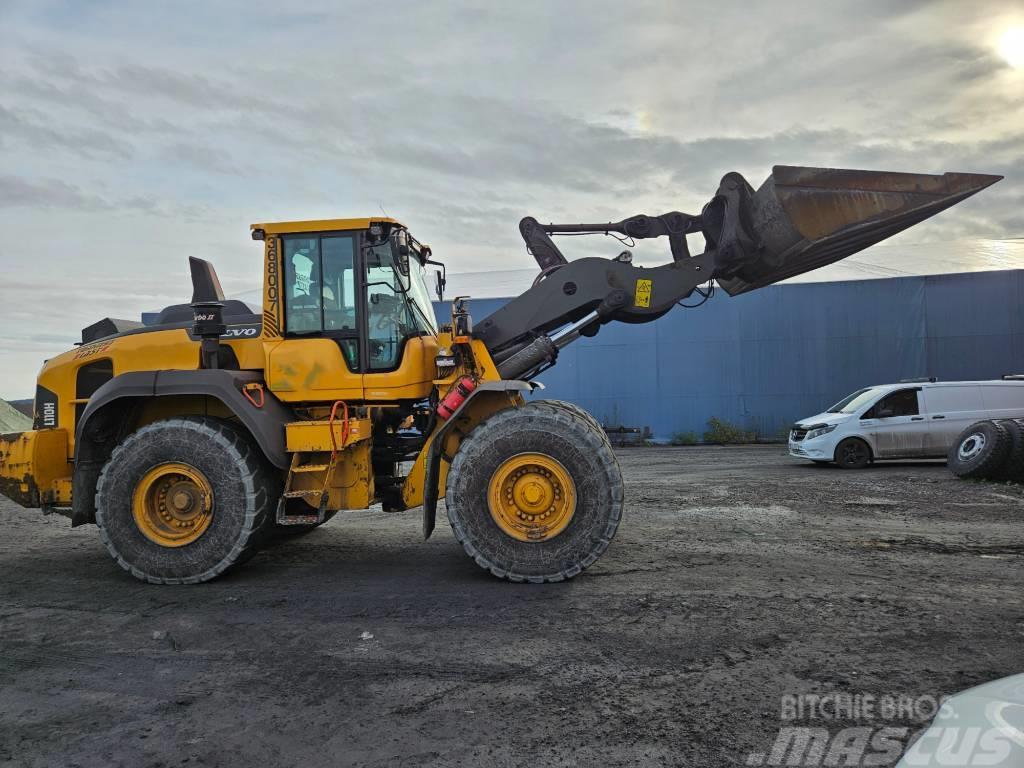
800	219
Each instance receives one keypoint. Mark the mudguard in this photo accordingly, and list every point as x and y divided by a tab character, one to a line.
430	489
266	424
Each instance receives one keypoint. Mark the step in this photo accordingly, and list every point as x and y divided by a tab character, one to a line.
302	494
310	518
311	468
299	519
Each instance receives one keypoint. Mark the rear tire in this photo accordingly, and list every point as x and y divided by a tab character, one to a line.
139	484
980	451
536	446
852	453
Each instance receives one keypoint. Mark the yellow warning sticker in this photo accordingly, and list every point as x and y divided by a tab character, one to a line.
642	296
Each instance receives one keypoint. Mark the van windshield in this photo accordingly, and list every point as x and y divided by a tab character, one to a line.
854	402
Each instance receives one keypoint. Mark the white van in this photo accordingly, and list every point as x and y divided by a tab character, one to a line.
909	420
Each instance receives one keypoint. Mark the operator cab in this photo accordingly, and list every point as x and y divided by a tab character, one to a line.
362	283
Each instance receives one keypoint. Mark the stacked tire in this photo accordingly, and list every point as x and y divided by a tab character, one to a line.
989	450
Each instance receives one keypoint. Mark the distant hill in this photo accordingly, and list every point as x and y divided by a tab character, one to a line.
25	406
13	420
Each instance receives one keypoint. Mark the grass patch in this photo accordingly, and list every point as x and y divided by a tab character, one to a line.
721	432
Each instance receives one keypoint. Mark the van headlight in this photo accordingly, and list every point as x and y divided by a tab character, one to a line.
818	431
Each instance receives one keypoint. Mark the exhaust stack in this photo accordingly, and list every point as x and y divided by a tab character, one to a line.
805	218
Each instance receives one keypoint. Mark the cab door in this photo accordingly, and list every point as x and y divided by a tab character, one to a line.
896	424
401	336
320	357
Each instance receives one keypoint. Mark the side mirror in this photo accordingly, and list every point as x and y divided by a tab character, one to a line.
400	249
440	277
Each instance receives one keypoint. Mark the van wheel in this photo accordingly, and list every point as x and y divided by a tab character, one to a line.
980	451
852	453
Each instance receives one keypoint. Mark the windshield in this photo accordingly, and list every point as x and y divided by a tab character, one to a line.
398	307
854	402
420	294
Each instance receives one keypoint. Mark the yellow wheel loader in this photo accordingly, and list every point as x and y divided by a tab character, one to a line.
191	440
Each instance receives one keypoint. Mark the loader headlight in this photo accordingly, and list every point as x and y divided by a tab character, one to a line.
818	431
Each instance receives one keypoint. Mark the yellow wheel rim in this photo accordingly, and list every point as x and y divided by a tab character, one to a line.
173	504
532	497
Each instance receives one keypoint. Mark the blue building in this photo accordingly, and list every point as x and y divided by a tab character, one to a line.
764	359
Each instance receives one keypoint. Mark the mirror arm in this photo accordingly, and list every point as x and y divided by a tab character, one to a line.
442	277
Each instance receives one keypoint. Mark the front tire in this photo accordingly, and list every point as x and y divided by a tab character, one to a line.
535	494
181	501
581	413
852	453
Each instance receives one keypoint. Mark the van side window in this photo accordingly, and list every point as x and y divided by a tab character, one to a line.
950	399
902	402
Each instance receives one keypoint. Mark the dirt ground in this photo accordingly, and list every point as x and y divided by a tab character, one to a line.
739	576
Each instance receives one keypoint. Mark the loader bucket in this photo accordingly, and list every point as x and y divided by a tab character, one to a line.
804	218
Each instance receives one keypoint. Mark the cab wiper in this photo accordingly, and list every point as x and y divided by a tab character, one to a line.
427	320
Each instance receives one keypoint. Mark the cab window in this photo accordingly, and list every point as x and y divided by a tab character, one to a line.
319	290
393	312
902	402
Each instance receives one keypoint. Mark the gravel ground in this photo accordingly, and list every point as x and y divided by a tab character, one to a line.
739	576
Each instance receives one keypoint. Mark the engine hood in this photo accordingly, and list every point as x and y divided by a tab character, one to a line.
823	418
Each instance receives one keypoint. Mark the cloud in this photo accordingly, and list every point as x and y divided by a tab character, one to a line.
46	193
134	134
209	159
51	194
36	129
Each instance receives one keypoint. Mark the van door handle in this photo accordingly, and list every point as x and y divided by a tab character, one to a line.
918	418
938	417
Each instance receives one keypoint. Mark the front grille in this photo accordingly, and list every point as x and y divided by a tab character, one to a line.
797	434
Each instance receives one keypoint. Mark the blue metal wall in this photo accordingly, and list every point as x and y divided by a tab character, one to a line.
765	359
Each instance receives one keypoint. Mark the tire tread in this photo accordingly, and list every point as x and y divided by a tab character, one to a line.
545	414
257	489
988	465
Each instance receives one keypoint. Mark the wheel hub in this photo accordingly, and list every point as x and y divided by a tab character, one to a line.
532	497
971	447
173	504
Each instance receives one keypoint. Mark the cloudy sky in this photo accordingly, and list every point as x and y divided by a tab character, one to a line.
133	135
